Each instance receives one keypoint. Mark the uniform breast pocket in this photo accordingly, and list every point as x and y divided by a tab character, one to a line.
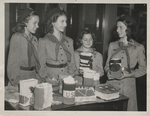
133	55
50	52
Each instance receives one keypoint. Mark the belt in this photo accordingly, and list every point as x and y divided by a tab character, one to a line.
56	66
27	68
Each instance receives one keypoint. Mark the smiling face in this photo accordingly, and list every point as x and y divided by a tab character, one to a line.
60	23
32	24
121	29
87	41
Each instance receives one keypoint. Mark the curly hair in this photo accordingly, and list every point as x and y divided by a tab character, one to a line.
81	34
20	26
48	25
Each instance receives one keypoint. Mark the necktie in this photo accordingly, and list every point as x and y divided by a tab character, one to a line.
52	38
32	55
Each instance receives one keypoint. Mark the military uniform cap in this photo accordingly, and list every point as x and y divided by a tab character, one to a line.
127	18
24	14
52	12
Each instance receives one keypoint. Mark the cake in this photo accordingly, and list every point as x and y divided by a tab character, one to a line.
43	96
83	94
25	94
79	80
106	92
85	61
69	85
90	76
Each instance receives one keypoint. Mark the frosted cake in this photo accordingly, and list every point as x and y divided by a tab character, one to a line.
83	94
106	92
85	61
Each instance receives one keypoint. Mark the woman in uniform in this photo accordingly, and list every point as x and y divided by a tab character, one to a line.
23	58
56	52
131	53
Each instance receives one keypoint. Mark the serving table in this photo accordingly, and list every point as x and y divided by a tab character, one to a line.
119	104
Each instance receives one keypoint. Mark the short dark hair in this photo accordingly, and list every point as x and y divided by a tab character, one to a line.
86	30
48	25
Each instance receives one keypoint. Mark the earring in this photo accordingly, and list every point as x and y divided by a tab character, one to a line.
24	24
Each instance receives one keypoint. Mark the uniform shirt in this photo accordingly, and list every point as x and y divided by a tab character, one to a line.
97	64
46	53
136	53
18	56
127	86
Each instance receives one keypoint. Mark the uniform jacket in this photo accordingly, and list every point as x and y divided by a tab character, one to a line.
136	53
127	86
46	53
97	63
18	57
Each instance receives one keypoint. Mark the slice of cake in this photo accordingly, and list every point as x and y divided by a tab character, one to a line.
89	77
106	92
83	94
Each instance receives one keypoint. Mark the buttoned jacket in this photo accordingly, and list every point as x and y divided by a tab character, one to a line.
46	53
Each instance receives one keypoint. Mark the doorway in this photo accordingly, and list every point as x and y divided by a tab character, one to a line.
86	15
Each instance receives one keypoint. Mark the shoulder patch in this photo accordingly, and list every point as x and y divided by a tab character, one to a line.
136	43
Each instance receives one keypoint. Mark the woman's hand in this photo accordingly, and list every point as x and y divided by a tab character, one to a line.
126	74
109	75
52	81
80	71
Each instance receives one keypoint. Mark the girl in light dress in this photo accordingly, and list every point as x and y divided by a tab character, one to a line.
86	57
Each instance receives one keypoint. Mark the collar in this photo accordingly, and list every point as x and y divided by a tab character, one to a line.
131	41
27	38
53	36
91	50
